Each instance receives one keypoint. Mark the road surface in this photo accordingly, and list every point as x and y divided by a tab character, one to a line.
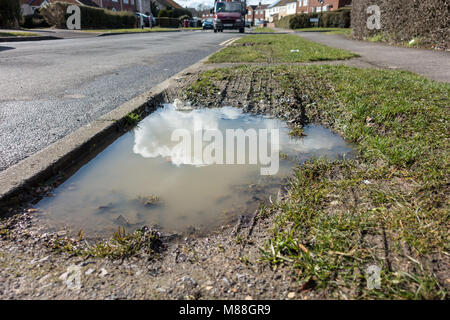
50	88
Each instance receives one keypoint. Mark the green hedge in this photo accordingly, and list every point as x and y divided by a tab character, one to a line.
91	18
174	13
9	13
35	20
165	22
331	19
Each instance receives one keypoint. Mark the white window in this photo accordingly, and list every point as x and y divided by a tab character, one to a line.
125	1
305	3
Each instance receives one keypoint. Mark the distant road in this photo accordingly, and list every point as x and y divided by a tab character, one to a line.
50	88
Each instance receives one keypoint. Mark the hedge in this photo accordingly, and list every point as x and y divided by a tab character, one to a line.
91	18
404	20
9	13
330	19
35	20
165	22
174	13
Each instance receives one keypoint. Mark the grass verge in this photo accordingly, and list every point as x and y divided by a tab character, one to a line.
137	30
263	29
344	31
388	208
277	48
19	34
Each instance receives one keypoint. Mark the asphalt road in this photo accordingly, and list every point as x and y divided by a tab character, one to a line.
50	88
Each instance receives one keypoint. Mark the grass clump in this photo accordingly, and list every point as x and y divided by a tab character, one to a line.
120	246
277	48
132	119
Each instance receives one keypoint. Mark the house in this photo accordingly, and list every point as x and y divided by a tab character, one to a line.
280	9
308	6
256	13
30	6
116	5
163	4
206	14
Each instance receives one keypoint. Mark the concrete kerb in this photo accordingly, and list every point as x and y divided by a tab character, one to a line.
74	150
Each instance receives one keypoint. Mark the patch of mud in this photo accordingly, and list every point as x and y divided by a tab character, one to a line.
222	265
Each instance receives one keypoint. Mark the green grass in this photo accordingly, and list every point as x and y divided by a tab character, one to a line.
132	119
380	37
344	31
120	246
390	39
133	30
263	29
391	201
18	34
277	48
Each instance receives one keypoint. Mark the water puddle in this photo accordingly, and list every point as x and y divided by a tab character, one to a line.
145	178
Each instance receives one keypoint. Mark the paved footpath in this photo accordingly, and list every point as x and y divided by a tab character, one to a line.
429	63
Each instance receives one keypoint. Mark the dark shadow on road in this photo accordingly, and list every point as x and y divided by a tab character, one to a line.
5	48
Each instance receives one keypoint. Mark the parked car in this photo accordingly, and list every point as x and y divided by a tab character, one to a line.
146	19
208	24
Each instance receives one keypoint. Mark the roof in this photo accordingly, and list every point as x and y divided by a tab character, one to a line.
171	3
273	4
280	3
89	3
38	3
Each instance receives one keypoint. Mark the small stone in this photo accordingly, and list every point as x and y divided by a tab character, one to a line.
122	220
207	288
291	295
44	259
227	282
89	271
248	298
103	272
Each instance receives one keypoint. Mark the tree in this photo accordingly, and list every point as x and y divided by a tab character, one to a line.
155	8
9	13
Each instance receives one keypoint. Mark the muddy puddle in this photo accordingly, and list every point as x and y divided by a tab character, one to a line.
146	178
